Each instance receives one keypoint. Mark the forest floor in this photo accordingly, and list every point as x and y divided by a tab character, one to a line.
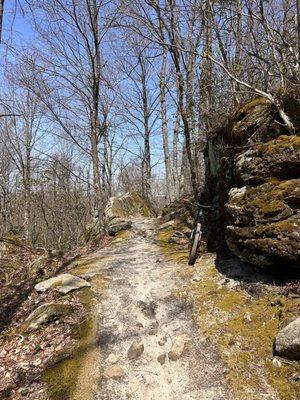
202	332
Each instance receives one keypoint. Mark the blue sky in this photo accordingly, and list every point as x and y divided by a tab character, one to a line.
15	26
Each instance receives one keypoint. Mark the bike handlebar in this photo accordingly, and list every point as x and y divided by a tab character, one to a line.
205	206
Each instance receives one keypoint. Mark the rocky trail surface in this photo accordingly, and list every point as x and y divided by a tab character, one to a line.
147	346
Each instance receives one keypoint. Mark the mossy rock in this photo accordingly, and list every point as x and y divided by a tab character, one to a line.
246	121
129	205
263	223
273	201
275	244
248	118
291	105
45	314
258	120
279	158
287	343
255	150
181	211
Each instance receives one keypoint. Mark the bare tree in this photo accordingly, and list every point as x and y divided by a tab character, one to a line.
19	136
139	101
70	77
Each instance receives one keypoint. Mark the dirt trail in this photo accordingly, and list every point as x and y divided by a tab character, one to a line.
138	306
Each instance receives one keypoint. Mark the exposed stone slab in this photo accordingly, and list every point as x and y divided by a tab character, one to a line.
64	283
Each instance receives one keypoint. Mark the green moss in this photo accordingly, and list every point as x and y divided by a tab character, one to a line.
266	200
21	376
246	118
64	379
123	234
269	194
226	300
10	266
248	107
84	266
171	251
282	143
164	236
50	312
244	329
266	235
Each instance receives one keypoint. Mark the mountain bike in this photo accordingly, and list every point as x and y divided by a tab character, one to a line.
196	236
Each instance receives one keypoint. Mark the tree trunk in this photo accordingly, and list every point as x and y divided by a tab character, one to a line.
187	134
164	127
181	107
1	18
147	153
175	167
98	206
95	133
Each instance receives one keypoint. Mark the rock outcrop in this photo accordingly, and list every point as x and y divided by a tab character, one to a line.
254	178
93	232
129	205
119	210
264	224
278	158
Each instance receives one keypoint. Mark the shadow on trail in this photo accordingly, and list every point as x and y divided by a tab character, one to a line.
232	267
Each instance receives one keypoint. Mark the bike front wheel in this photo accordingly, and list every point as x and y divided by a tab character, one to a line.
195	241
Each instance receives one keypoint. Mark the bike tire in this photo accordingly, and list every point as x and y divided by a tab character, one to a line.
195	241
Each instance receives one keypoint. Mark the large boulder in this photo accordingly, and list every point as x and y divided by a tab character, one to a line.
254	177
64	283
129	205
287	344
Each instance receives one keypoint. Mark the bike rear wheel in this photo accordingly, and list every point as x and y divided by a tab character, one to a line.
195	241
